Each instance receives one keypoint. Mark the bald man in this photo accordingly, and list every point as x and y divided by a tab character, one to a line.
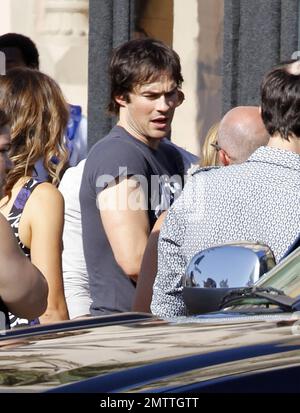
257	200
240	133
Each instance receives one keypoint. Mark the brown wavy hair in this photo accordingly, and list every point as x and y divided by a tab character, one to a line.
4	119
38	116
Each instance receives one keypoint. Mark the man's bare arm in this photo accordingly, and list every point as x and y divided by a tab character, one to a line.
23	288
144	288
123	211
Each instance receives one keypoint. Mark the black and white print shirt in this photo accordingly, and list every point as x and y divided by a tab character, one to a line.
258	200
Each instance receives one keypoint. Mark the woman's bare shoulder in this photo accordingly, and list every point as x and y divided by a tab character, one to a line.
47	192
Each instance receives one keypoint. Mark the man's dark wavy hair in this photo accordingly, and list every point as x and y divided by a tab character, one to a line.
140	61
280	99
25	45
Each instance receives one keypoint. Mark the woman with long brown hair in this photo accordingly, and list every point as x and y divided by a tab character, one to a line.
39	115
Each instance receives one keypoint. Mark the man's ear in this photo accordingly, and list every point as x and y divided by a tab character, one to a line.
224	158
181	97
121	100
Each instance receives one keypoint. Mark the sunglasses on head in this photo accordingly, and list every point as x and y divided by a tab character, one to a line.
216	146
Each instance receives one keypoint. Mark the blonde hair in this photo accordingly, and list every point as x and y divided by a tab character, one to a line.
209	154
38	116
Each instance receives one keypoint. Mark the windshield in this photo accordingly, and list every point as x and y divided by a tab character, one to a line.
285	276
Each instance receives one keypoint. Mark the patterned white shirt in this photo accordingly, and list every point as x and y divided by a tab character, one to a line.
258	200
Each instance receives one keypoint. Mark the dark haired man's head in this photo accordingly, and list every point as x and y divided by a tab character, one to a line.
280	100
145	80
138	62
19	51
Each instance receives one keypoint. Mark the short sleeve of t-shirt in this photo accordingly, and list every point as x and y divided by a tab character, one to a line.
114	157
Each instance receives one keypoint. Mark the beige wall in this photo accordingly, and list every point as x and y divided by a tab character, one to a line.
194	27
197	39
5	16
209	76
157	19
59	28
185	35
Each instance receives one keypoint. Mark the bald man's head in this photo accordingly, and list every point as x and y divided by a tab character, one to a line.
241	132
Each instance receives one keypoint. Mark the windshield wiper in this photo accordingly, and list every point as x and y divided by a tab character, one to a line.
258	295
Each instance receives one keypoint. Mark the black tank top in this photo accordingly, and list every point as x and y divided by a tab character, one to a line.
14	221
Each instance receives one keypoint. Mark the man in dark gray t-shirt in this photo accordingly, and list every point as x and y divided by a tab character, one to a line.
130	177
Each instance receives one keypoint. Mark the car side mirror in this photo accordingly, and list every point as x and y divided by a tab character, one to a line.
213	272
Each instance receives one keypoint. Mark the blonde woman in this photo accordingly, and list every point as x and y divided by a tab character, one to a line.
209	153
35	209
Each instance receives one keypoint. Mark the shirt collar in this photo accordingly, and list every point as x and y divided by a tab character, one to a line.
281	157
